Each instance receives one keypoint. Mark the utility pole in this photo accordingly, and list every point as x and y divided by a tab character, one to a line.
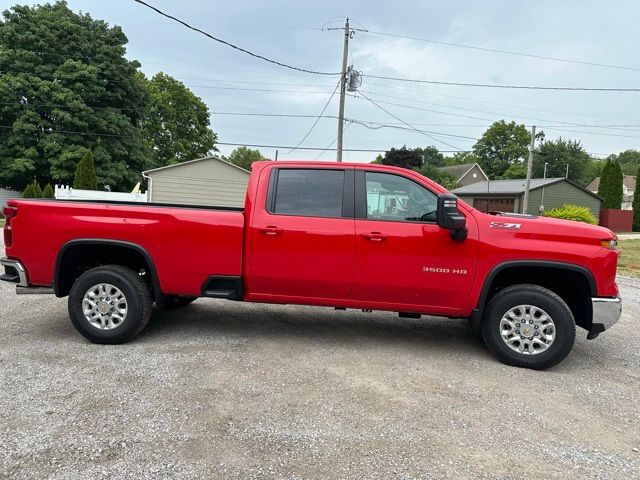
527	185
343	86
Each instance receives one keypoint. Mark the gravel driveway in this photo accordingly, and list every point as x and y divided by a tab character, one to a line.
232	390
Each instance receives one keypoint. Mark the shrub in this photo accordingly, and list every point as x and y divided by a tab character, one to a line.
86	173
48	191
573	212
33	190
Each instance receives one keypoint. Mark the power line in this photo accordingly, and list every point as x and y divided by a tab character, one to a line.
317	119
491	85
376	150
224	42
407	124
507	52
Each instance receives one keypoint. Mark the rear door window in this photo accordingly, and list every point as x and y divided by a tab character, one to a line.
308	192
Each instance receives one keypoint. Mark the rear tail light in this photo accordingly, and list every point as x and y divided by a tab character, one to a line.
9	213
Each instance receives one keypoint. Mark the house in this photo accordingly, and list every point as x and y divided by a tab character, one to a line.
465	173
205	181
628	187
507	195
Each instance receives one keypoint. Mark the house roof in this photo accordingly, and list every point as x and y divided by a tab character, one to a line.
176	165
629	181
513	187
459	171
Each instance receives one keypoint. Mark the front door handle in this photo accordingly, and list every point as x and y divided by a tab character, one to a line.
374	236
270	230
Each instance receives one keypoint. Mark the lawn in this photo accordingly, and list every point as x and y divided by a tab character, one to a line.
629	262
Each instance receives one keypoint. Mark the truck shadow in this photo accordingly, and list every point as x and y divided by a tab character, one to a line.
211	319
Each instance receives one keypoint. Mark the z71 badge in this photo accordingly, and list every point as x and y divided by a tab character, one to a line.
505	226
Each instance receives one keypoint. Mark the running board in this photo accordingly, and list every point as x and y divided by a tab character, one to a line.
34	290
222	286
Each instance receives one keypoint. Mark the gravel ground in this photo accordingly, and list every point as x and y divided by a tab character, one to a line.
232	390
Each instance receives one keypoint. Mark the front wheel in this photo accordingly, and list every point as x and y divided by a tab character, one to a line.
528	326
110	304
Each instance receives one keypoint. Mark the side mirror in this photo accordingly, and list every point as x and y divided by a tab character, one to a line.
448	216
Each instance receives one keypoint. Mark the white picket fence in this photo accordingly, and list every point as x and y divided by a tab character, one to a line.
67	193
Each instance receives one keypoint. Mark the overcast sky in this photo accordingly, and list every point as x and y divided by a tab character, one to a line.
230	81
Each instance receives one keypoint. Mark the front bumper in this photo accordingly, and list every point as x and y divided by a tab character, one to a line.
606	312
14	272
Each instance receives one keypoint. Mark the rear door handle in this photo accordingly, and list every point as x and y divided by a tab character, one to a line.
374	236
270	230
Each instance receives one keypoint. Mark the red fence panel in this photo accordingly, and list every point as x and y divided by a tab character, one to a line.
616	220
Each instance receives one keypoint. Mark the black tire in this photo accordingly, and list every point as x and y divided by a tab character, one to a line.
177	301
138	301
543	298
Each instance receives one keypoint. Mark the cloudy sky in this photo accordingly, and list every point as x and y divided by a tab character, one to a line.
291	32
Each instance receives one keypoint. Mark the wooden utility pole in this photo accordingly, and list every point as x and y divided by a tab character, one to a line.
343	87
527	185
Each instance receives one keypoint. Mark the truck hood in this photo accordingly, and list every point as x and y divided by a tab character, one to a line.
549	228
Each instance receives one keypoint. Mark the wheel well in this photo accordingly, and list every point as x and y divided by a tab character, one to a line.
76	258
572	285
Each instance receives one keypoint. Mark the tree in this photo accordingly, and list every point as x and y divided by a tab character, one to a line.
86	173
445	179
560	153
63	72
176	123
33	190
431	156
610	188
636	204
48	191
501	145
244	157
629	161
459	158
403	157
515	170
378	160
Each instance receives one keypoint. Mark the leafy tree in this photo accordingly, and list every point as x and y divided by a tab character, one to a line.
431	156
560	153
501	145
63	72
48	191
244	157
629	161
636	204
605	177
378	160
445	179
176	124
403	157
515	170
86	173
459	158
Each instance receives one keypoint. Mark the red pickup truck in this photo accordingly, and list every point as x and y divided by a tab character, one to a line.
335	235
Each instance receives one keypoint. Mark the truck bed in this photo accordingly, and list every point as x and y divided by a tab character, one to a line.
186	243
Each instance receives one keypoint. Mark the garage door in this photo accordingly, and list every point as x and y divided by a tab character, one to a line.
494	204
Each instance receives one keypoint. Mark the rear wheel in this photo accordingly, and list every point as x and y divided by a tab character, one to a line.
177	301
528	326
110	304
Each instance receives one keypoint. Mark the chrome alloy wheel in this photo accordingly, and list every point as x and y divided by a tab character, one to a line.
104	306
527	329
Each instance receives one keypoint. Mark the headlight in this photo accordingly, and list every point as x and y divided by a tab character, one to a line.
610	244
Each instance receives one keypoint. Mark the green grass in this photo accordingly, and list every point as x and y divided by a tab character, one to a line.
629	262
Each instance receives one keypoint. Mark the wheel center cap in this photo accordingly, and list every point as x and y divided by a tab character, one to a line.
527	330
103	307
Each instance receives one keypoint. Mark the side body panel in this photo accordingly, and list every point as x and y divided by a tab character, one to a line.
186	244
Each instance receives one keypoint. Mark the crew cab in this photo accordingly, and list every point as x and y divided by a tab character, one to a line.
341	235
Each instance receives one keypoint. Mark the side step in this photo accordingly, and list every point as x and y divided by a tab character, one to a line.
33	290
222	286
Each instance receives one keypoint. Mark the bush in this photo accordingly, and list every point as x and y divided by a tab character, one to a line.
573	212
33	190
86	173
48	191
